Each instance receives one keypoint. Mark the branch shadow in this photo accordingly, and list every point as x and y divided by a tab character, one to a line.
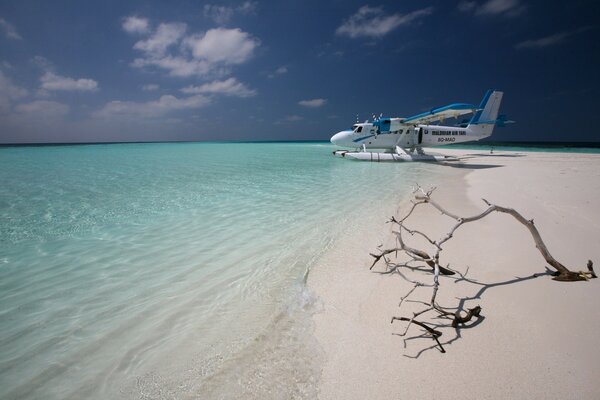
486	286
461	306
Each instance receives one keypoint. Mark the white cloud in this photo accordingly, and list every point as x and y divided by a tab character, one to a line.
287	119
43	109
314	103
373	22
510	8
543	42
219	14
248	7
51	81
150	87
177	66
220	45
8	89
42	63
165	36
209	54
550	40
151	109
497	7
136	24
9	30
9	92
279	71
223	14
466	6
228	87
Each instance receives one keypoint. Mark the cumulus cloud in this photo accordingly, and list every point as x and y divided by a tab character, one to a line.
220	45
510	8
52	81
227	87
136	24
9	92
9	30
176	66
43	63
279	71
314	103
223	14
43	109
151	109
165	36
373	22
150	87
211	53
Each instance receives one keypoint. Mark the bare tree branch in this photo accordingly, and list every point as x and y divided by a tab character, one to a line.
459	318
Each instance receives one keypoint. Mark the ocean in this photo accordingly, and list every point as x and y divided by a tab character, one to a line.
174	270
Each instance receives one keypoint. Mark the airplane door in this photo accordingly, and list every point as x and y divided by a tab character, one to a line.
420	139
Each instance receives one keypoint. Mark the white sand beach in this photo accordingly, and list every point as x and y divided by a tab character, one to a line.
538	336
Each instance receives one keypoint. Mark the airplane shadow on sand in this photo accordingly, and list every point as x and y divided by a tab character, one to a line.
475	155
468	166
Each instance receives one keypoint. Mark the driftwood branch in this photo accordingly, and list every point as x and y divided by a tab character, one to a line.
419	258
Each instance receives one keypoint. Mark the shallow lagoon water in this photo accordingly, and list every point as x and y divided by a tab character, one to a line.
173	270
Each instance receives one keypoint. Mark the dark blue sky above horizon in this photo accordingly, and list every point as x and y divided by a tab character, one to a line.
73	71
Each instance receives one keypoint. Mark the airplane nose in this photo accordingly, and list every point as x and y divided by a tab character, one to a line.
334	139
338	138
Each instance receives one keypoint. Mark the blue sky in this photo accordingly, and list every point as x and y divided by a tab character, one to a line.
74	71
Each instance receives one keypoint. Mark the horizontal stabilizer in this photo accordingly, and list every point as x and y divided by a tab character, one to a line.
501	121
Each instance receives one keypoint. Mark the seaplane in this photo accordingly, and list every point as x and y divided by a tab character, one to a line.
403	139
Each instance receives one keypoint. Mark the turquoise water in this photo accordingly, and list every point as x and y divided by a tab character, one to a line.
168	270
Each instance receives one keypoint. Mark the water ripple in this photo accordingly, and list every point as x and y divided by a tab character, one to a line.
166	269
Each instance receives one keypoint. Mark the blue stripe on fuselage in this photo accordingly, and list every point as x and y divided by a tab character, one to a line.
362	138
366	137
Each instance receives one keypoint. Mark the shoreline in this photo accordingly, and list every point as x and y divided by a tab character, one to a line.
537	336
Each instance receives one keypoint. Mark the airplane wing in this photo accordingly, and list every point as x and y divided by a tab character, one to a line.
441	113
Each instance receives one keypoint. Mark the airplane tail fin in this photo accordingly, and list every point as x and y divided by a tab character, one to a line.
483	121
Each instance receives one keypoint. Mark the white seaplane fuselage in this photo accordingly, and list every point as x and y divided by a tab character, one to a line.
405	136
402	139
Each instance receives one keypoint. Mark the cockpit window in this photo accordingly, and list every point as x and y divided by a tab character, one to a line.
357	128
